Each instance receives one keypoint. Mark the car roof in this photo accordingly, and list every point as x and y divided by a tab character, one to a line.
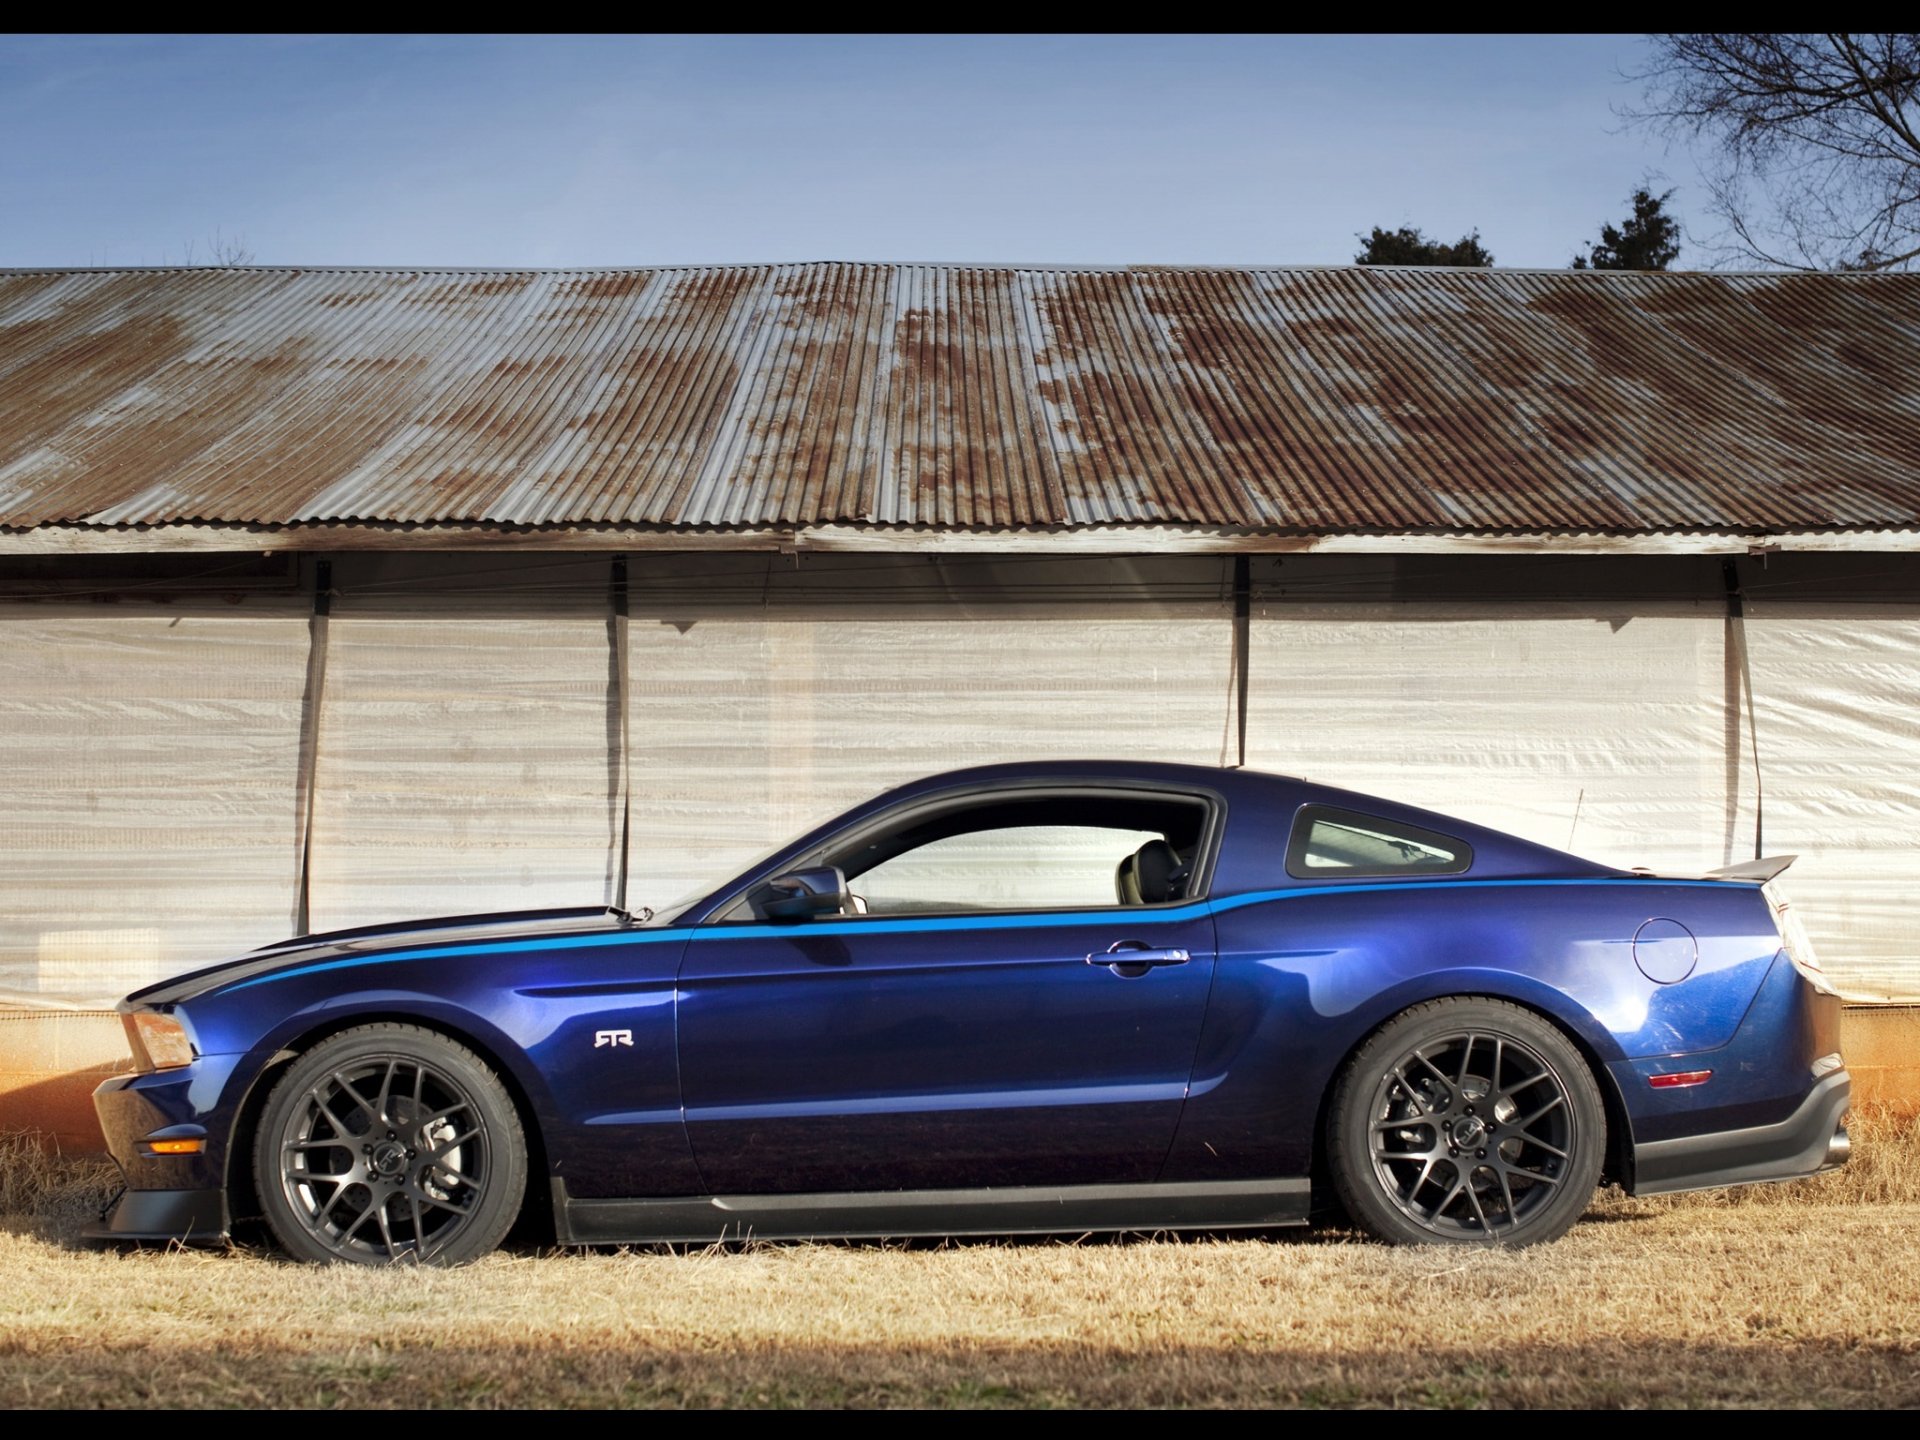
1268	799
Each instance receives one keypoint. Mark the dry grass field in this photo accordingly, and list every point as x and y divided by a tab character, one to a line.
1803	1295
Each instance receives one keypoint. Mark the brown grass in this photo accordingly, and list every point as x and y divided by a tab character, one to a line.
1798	1295
37	1180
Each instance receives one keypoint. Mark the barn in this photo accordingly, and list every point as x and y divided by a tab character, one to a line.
330	596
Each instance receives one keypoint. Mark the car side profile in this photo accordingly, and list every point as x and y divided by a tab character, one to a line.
1015	999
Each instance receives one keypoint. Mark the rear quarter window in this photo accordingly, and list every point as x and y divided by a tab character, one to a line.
1333	843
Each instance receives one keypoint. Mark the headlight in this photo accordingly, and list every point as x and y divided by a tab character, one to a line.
159	1041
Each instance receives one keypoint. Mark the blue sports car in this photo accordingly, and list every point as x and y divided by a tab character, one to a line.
1018	999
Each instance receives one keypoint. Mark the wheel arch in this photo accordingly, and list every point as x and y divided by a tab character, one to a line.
535	1205
1617	1163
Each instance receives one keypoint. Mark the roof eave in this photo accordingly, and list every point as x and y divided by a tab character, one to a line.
336	536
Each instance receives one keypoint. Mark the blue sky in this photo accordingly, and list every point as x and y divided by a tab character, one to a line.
641	150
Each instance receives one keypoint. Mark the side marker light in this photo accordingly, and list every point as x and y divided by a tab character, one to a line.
1680	1079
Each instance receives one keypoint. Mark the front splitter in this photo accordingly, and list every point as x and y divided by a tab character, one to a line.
191	1217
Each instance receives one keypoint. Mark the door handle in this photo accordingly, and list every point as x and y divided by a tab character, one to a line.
1129	959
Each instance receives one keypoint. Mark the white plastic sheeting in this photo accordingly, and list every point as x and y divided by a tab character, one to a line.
1623	731
1603	729
468	736
463	747
148	756
751	724
1837	709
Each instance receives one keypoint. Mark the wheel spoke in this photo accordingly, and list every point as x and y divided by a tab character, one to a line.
1466	1059
1412	1094
314	1177
327	1206
440	1117
1459	1184
1505	1189
386	1230
385	1100
1473	1199
1418	1122
454	1144
359	1220
447	1204
340	1079
1546	1109
1527	1082
291	1145
1445	1079
326	1110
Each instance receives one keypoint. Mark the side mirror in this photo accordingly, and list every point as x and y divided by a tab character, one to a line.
800	893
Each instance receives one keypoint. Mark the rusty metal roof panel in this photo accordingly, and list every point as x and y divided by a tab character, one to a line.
1307	400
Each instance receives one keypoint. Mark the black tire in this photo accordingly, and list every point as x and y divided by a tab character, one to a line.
1466	1120
387	1143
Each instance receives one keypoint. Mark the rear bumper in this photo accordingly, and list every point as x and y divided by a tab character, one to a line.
1808	1141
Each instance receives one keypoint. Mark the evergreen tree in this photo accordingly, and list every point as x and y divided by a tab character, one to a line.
1649	240
1407	246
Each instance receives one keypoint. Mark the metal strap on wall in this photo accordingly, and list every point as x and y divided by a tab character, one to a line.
310	702
619	761
1242	645
1737	630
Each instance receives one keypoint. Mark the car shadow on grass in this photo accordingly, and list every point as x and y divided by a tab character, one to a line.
63	1220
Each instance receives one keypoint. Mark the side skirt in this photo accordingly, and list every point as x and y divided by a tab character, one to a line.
881	1214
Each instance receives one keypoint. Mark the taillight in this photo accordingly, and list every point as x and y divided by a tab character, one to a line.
1794	937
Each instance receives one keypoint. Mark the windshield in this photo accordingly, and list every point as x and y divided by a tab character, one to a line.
672	910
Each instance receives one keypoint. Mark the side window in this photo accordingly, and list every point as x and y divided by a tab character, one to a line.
1022	867
1092	848
1332	842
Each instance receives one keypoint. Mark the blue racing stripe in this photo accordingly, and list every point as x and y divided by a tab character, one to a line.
1008	921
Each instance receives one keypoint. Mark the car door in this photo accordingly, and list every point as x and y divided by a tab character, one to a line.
926	1046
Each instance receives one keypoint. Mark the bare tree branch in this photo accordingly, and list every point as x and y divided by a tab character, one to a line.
221	250
1816	141
224	251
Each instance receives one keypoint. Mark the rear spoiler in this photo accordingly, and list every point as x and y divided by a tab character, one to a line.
1761	870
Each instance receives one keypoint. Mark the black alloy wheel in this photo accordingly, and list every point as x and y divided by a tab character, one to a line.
390	1143
1466	1120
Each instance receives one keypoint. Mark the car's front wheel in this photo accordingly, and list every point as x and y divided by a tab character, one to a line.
390	1142
1466	1119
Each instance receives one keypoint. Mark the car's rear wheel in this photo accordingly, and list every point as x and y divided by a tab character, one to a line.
390	1142
1466	1120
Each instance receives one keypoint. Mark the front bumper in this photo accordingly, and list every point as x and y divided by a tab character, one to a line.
167	1197
1808	1141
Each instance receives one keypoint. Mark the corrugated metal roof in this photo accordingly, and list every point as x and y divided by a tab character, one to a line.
1305	401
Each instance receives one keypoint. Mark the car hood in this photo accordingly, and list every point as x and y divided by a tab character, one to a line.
371	939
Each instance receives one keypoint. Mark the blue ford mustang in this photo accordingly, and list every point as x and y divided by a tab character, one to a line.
1019	999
